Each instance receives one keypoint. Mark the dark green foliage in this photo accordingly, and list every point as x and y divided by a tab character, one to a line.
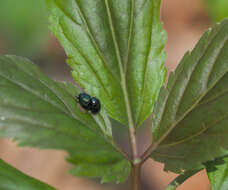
190	118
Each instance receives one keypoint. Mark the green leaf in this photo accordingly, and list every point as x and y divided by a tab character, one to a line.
39	112
13	179
191	116
217	172
217	9
109	43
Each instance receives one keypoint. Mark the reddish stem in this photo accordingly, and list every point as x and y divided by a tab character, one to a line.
135	177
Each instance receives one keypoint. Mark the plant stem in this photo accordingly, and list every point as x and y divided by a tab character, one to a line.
135	177
181	179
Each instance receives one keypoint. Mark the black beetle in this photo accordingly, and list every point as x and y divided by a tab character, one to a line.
89	103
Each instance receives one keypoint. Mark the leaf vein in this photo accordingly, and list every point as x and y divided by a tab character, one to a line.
86	60
35	125
33	92
204	129
213	98
66	14
92	38
81	122
44	84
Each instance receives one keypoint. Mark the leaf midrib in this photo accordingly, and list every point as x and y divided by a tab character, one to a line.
116	46
122	74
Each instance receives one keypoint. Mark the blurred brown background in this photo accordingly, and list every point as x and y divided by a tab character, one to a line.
184	21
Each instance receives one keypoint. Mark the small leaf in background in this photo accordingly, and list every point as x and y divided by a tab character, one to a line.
191	116
13	179
39	112
24	29
218	9
180	179
108	42
217	172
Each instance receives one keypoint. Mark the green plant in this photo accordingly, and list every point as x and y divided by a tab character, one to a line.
115	50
